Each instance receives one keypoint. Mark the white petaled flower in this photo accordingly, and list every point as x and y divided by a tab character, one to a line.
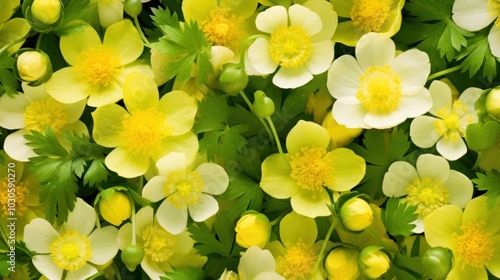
448	122
300	44
379	89
75	248
36	110
255	264
162	250
474	15
183	189
428	186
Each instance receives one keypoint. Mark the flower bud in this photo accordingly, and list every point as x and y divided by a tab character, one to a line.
437	262
33	65
340	135
373	262
132	256
263	106
46	11
342	264
233	78
115	206
252	229
493	102
356	214
133	7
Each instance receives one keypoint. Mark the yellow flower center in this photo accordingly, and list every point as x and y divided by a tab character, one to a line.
312	168
223	28
158	243
98	66
297	263
379	89
41	114
428	194
70	251
475	247
15	204
184	188
370	15
448	125
494	8
144	131
290	46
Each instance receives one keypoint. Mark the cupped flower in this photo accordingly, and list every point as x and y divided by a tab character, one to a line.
429	186
448	122
97	68
184	189
36	110
364	16
75	248
309	167
149	129
255	264
379	89
472	235
299	45
162	250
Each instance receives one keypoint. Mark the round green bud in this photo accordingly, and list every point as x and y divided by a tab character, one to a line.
263	106
133	7
132	256
356	214
233	79
437	262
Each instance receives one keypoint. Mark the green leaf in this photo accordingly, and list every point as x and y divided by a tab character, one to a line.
398	217
164	17
213	114
4	265
226	143
184	273
489	182
6	61
478	55
8	82
206	242
97	173
482	136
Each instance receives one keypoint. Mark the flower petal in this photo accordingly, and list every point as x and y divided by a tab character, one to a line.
441	96
127	164
494	40
441	224
296	228
66	87
422	132
125	40
108	124
82	218
46	266
472	15
398	177
343	77
39	234
276	180
153	190
172	162
104	244
183	243
462	271
171	218
124	237
413	68
321	57
206	207
303	17
382	121
12	111
459	187
317	136
416	104
255	261
75	43
15	146
260	57
350	113
105	95
180	109
477	210
374	49
272	19
84	272
186	143
109	12
292	77
311	204
433	167
451	150
140	92
215	178
348	169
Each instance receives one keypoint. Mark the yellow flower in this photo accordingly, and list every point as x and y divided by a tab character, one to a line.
472	235
381	16
46	11
114	206
308	167
342	264
149	129
253	229
13	29
98	69
356	214
340	134
255	263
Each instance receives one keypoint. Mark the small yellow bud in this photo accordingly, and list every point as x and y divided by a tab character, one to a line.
252	229
32	65
46	11
373	262
342	264
339	134
356	214
493	102
114	206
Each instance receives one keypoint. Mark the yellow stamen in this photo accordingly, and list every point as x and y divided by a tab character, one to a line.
312	168
379	89
475	247
183	188
98	66
158	243
14	205
449	122
41	114
494	8
223	28
297	263
71	250
290	46
428	194
370	15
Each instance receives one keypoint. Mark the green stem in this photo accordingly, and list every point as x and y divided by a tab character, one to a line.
138	27
13	43
381	242
244	96
117	274
39	41
141	184
278	219
444	72
275	134
325	242
132	217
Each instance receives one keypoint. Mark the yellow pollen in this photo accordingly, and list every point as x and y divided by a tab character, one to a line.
475	248
41	114
312	168
379	89
290	46
223	28
428	194
21	193
98	66
144	131
183	188
494	8
370	15
71	250
297	263
158	243
452	121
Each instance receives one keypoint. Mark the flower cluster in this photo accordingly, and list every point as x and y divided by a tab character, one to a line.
256	139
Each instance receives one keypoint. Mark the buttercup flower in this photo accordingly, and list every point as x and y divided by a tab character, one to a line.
184	188
381	16
162	250
300	44
472	235
255	264
75	248
253	229
379	89
448	127
429	186
308	168
98	69
35	110
149	129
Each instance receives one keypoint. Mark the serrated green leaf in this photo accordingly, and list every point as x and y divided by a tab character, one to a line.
97	173
478	55
398	217
8	82
206	243
6	61
213	114
184	273
164	17
489	182
4	265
